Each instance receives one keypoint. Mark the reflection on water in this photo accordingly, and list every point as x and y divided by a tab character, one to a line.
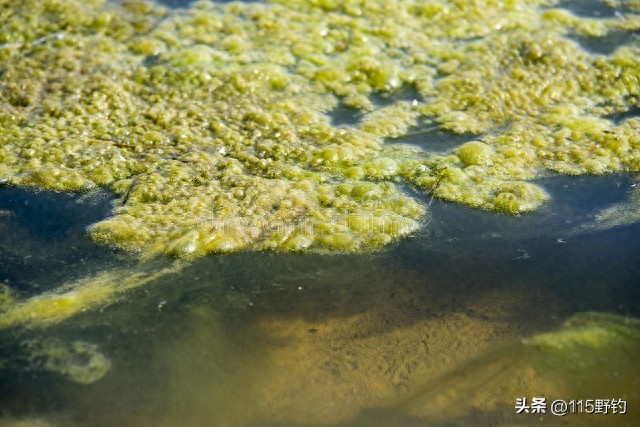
426	332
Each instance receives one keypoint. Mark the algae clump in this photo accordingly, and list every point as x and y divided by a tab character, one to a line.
75	297
79	361
213	125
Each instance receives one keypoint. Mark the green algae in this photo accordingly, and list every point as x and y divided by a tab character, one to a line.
589	331
79	296
598	331
7	297
79	361
212	125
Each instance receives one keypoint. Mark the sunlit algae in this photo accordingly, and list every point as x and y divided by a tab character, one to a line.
213	125
214	128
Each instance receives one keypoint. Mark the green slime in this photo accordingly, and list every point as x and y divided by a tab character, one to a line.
213	124
79	361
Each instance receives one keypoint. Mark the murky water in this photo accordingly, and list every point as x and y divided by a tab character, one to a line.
426	332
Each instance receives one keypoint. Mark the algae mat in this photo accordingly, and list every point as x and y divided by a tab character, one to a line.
214	124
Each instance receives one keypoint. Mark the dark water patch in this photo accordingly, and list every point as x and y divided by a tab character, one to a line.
588	8
151	61
577	196
345	115
184	4
595	272
607	44
311	286
591	271
43	241
18	384
432	139
176	4
618	118
492	249
54	215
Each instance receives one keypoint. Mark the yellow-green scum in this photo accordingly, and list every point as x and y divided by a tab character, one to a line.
214	124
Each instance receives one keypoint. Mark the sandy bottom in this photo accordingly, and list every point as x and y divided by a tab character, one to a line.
408	356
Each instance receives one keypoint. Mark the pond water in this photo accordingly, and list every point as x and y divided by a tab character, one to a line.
428	331
448	327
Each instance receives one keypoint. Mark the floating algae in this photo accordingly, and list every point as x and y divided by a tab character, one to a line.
79	361
76	297
7	297
213	124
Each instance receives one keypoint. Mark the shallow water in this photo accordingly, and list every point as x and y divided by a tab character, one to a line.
422	332
428	331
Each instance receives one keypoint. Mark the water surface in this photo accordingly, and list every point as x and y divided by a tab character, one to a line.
308	339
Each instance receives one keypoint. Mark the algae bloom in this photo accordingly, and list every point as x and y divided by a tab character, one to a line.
214	124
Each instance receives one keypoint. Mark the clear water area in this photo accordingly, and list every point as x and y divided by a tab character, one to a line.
427	332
